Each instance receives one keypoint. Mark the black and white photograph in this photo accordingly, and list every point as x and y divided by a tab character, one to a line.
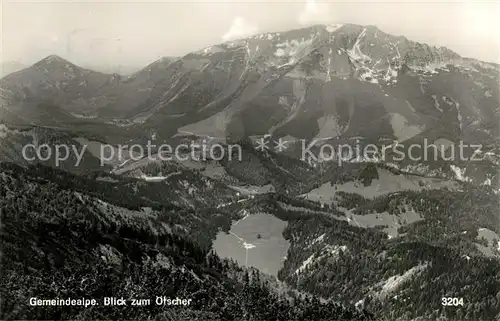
250	160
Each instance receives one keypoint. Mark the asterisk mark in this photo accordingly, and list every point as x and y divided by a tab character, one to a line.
262	144
280	145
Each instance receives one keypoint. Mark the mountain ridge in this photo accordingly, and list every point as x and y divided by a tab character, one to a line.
323	81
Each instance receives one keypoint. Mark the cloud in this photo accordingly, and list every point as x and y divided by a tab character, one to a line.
315	13
240	28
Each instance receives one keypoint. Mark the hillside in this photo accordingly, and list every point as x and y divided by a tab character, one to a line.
76	245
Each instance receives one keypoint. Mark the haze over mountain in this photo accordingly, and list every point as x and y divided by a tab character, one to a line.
114	69
82	33
9	67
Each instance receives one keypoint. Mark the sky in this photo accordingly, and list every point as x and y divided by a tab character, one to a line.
135	33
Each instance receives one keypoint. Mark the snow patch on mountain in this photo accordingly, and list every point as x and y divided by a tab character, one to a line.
373	70
293	49
436	103
432	67
460	173
329	66
391	74
369	75
355	52
210	50
333	27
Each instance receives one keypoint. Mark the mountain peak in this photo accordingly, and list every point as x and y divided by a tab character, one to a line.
53	60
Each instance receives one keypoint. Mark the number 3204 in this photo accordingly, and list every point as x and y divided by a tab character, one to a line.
454	302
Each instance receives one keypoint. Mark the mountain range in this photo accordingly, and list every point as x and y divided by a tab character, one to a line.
320	82
328	75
